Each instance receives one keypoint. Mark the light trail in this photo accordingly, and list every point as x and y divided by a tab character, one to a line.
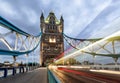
106	71
90	75
87	67
76	53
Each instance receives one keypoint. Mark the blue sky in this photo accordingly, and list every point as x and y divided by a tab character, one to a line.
82	18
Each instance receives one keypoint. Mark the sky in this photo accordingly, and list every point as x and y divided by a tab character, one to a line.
82	18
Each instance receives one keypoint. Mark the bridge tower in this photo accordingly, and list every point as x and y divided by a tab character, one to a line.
52	43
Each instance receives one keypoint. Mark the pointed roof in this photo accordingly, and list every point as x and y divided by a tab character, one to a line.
51	14
42	16
61	18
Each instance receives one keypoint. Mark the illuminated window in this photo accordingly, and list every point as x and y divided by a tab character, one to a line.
60	29
43	30
52	40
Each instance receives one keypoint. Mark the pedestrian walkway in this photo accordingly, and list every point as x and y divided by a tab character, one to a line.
36	76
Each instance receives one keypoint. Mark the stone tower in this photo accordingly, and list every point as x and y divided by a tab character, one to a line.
52	44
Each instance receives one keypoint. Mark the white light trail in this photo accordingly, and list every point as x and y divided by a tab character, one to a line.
76	53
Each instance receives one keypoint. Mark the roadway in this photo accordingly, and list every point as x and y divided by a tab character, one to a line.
85	76
36	76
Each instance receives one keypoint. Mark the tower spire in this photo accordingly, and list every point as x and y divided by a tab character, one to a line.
61	19
42	17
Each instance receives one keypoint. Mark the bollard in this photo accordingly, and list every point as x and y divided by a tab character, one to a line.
27	69
5	72
23	70
14	71
20	69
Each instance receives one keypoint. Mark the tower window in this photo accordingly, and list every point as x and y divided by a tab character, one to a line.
53	22
50	22
52	40
43	29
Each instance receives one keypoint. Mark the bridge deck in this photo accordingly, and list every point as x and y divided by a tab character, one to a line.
36	76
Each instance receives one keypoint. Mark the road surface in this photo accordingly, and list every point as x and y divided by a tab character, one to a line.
82	76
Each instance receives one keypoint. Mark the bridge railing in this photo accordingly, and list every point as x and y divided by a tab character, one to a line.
51	77
5	72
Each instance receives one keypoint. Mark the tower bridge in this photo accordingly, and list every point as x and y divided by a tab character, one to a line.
81	62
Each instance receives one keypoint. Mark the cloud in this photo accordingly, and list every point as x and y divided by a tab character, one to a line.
31	15
7	9
108	29
45	2
106	16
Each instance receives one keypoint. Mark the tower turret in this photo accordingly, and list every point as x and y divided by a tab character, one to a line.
42	18
61	20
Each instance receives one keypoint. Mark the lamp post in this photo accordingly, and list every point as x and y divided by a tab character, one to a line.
14	61
26	55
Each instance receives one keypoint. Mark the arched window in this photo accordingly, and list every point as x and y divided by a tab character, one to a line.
52	20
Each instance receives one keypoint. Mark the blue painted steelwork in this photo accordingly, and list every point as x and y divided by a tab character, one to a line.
82	39
12	27
16	53
51	77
